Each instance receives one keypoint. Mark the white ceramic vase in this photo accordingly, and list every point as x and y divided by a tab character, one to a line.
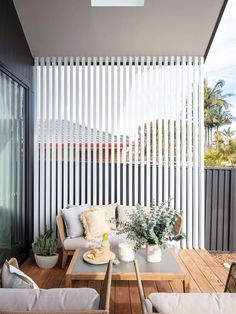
46	261
153	253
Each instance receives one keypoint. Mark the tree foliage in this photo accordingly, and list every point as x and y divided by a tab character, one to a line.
223	152
216	108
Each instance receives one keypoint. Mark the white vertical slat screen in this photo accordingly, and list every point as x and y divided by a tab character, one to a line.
126	130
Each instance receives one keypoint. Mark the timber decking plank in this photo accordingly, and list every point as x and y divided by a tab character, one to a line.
219	270
163	286
149	287
198	276
122	298
193	286
113	297
207	271
134	297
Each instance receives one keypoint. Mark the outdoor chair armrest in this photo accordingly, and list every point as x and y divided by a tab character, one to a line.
140	289
61	228
106	289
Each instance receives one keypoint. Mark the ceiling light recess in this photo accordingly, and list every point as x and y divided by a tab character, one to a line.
117	3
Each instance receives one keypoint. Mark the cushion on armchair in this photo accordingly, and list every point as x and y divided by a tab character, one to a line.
95	224
71	218
110	213
69	299
12	277
194	303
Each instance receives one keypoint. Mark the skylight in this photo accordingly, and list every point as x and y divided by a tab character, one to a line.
117	3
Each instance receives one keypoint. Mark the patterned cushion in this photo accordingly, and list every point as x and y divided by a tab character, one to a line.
95	224
110	213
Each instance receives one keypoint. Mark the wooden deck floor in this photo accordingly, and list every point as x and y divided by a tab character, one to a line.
206	275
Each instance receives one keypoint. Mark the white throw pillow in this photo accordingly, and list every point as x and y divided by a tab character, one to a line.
12	277
95	224
124	212
71	217
110	213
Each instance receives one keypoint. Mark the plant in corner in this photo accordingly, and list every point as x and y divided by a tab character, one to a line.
45	248
152	228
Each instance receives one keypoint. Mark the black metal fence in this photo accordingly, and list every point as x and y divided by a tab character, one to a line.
220	209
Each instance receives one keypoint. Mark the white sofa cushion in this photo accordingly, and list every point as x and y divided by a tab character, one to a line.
110	213
81	242
194	303
124	212
71	218
74	299
13	277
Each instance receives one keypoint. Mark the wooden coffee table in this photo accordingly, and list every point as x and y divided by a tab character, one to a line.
168	269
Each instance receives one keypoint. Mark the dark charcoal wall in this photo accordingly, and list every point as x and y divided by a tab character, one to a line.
220	209
14	50
17	61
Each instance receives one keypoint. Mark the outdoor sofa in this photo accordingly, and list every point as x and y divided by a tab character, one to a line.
53	301
112	211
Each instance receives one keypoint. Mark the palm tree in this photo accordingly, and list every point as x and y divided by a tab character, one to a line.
218	140
222	117
215	108
228	134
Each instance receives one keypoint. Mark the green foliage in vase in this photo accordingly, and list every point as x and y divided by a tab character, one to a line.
45	245
151	227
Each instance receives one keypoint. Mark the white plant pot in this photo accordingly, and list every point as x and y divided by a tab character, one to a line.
153	253
46	261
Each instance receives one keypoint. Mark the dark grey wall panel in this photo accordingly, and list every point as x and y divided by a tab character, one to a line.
16	60
220	209
15	54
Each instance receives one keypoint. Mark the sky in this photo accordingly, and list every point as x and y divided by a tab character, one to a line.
221	60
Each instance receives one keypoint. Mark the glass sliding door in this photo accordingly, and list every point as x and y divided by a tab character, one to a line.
12	168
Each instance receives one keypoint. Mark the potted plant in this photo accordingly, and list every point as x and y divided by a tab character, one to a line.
152	229
45	250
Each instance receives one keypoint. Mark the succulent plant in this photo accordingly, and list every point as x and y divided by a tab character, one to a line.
45	245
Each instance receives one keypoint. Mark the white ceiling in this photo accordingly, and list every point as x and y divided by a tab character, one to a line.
161	27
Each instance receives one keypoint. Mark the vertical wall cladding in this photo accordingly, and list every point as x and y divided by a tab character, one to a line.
16	60
126	130
220	209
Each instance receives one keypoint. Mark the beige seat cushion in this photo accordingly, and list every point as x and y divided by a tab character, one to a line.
110	213
81	242
95	224
74	299
194	303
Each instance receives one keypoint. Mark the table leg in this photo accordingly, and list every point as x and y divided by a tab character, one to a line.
186	284
68	281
